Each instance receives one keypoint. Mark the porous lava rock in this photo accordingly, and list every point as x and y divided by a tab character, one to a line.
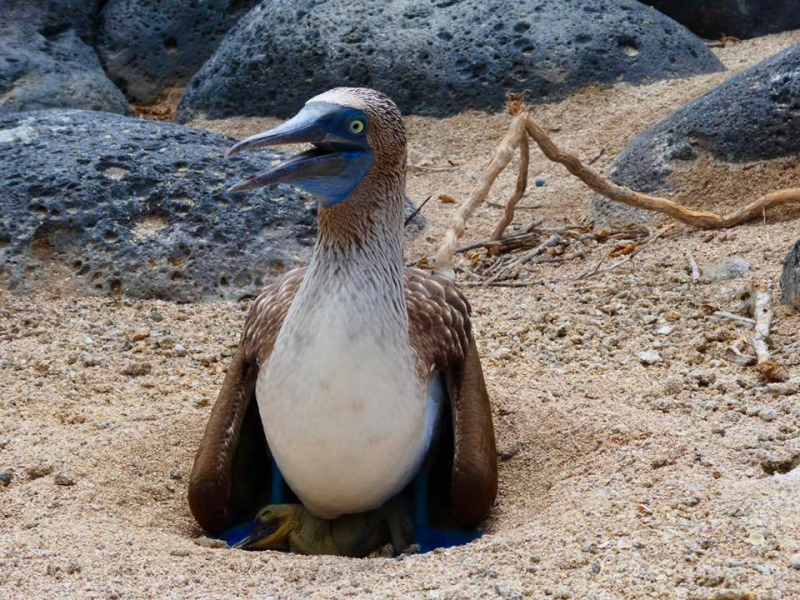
436	58
47	60
739	18
751	116
149	45
790	279
121	205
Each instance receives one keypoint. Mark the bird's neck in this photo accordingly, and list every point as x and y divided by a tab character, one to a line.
360	240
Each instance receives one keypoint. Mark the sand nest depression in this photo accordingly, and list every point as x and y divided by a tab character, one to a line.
620	476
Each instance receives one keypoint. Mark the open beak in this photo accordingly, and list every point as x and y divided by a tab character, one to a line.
329	158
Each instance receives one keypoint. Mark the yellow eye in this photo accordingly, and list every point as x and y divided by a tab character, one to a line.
357	126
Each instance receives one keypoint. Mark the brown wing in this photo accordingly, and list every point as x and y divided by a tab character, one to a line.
233	452
441	335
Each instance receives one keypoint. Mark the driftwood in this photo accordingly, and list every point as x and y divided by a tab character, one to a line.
523	125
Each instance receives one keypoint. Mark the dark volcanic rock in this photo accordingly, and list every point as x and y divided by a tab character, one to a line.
790	279
147	45
46	59
739	18
436	58
752	116
50	17
139	207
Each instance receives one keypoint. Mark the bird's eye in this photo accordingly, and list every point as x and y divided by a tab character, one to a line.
357	126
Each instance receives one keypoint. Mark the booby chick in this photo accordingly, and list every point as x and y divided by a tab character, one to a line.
352	360
291	527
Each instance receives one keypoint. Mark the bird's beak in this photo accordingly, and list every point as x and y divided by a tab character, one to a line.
322	169
306	127
267	535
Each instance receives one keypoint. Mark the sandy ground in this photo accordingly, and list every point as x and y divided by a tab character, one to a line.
618	479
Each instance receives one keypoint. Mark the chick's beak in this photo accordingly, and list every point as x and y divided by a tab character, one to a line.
267	535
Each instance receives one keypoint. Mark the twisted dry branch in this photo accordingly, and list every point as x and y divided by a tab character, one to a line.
523	123
502	156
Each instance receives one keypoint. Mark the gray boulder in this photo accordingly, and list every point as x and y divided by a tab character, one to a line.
148	46
138	207
739	18
790	279
38	72
46	58
751	116
436	58
51	17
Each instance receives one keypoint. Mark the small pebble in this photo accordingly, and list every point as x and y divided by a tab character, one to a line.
665	330
768	414
650	357
730	268
179	552
88	340
502	353
539	182
180	350
207	542
5	478
63	479
507	594
156	316
673	385
38	471
140	335
89	360
794	561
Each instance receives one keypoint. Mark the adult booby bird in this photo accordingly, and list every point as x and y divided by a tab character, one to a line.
351	360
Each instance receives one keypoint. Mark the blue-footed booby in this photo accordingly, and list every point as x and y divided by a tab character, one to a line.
352	374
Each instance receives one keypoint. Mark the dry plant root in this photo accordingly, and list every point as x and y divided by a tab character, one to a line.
605	187
522	125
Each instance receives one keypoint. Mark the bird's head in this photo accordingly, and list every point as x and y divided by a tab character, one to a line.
272	527
354	131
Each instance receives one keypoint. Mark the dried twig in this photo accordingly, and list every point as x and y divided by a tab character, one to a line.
508	284
723	314
503	154
768	368
551	241
695	270
618	193
518	207
735	355
597	270
519	191
596	157
416	212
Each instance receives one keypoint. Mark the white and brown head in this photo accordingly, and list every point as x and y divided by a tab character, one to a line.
357	133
